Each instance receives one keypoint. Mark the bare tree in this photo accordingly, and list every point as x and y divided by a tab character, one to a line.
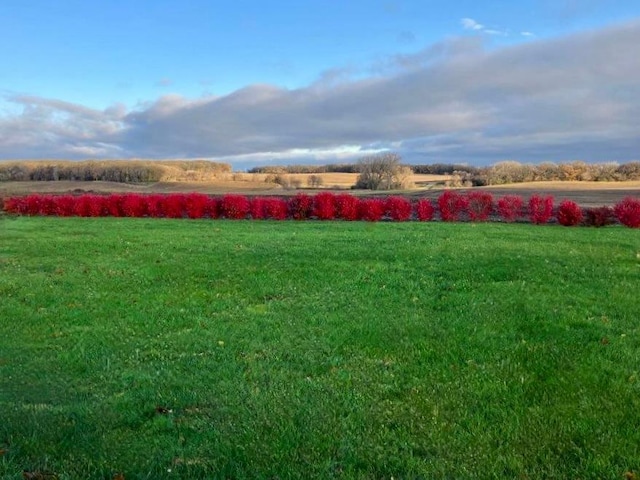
381	172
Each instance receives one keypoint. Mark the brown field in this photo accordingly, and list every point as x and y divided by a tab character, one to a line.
587	194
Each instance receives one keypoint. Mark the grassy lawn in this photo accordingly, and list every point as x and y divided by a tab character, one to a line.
218	349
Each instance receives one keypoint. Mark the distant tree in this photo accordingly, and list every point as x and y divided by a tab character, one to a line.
315	181
382	172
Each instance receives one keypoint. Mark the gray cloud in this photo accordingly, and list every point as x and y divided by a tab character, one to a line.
561	99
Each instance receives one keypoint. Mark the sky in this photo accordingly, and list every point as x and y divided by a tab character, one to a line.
320	81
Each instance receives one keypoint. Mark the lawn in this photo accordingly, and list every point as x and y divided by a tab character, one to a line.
152	349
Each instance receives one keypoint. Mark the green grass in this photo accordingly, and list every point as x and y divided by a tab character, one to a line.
317	350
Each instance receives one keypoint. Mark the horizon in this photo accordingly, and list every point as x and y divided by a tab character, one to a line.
251	84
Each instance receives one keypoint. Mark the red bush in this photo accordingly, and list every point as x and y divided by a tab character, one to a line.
569	213
627	212
257	210
540	208
371	209
213	207
235	207
88	205
479	206
300	206
324	206
451	205
347	206
510	207
275	208
424	210
195	205
599	216
15	205
398	209
114	205
155	205
134	205
173	205
65	205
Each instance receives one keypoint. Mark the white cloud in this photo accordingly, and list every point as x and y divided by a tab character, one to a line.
566	98
471	24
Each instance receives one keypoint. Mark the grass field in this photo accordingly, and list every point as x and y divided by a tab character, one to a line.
216	349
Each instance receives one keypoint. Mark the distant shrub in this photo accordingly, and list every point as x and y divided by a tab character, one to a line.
113	205
424	210
234	206
324	206
155	205
84	205
540	209
173	205
275	208
398	209
569	213
66	206
510	207
300	206
451	205
479	205
256	209
134	205
627	212
196	205
371	209
315	181
347	207
599	216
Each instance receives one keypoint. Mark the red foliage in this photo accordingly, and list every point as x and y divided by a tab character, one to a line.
452	205
627	212
234	206
85	205
300	206
257	208
134	205
479	205
424	210
510	207
540	209
398	209
173	205
371	209
347	206
324	206
155	205
114	205
195	205
569	213
15	205
599	216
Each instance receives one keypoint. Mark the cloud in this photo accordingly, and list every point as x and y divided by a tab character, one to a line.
164	82
455	101
471	24
527	34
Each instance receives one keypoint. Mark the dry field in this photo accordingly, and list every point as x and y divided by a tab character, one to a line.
585	193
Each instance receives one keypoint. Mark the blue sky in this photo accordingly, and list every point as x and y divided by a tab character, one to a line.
257	82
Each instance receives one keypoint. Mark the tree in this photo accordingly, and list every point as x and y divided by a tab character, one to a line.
382	172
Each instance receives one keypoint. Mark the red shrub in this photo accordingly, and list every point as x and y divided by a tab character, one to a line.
155	205
599	216
510	207
257	208
15	205
300	206
324	206
540	209
398	209
424	210
347	206
451	205
134	205
213	207
195	205
627	212
65	205
234	206
371	209
173	205
114	205
275	208
569	213
32	204
89	206
479	206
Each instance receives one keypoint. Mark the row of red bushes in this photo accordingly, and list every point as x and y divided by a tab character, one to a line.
450	206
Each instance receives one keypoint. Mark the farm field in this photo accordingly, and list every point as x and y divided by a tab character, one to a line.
155	348
586	194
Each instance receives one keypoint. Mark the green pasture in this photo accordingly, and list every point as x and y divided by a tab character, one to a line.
166	349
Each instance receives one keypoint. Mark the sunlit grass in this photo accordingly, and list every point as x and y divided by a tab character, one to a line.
219	349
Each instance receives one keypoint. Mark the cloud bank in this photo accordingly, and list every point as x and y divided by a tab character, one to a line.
575	97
